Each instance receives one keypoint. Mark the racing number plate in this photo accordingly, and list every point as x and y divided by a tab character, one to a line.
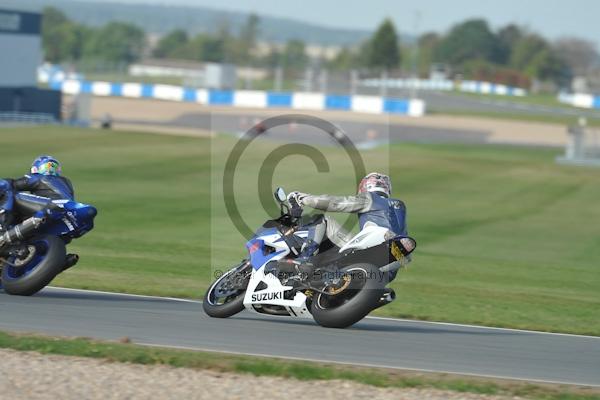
395	250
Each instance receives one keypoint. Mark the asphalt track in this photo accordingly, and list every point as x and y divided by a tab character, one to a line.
413	345
356	130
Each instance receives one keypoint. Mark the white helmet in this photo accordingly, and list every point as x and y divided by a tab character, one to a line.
376	182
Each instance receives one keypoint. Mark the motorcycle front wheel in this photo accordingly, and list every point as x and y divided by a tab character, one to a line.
353	298
225	297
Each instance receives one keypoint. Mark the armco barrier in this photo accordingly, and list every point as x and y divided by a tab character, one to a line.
247	98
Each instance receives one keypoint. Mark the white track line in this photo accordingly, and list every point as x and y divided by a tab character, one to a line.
364	364
142	296
485	327
396	320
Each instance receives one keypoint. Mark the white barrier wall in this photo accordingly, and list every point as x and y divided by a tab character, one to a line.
580	100
247	98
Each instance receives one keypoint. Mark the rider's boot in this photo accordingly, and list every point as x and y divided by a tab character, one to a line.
308	250
71	260
301	265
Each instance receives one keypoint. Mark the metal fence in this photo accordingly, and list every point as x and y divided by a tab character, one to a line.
17	117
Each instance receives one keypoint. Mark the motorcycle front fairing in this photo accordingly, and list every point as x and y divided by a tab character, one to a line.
73	220
68	219
269	244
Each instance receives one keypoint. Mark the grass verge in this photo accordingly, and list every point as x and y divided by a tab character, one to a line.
302	370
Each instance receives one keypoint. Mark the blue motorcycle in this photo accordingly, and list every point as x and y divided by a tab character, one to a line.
33	252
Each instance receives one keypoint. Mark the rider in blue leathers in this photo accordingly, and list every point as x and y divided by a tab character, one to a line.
44	183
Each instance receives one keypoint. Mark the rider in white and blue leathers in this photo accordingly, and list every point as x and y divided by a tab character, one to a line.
372	204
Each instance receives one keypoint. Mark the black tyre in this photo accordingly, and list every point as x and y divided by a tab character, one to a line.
356	301
225	297
47	258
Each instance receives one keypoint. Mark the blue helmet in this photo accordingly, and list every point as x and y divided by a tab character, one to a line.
46	165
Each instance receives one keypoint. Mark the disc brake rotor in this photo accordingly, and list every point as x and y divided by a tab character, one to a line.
20	262
339	286
224	291
229	286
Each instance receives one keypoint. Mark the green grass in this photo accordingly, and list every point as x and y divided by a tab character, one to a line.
301	370
506	237
545	99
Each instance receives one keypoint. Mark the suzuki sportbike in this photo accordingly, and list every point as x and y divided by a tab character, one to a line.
337	288
33	252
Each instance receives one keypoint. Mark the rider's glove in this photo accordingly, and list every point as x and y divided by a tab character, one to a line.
295	201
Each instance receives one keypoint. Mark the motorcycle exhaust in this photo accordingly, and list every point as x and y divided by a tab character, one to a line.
21	231
391	267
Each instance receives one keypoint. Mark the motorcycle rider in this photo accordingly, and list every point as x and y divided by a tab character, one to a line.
45	183
373	205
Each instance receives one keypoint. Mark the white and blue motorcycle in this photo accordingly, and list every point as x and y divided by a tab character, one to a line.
339	287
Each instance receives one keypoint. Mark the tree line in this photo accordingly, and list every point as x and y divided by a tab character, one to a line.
66	41
511	55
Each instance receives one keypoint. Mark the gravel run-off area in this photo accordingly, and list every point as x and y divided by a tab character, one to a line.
28	375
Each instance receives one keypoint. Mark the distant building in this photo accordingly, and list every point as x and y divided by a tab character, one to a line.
207	75
312	50
21	53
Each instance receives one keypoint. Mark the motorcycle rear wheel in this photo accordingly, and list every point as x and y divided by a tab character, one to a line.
353	303
46	263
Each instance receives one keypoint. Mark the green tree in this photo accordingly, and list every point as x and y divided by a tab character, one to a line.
247	39
534	56
52	17
213	49
62	40
428	42
294	55
170	44
525	50
507	37
383	51
344	60
467	41
116	42
222	47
